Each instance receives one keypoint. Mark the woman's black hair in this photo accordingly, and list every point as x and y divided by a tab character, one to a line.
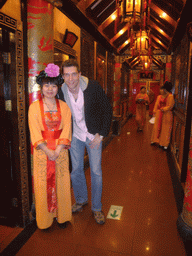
44	78
167	86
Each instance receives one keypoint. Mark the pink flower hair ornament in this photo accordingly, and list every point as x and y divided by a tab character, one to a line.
50	74
52	70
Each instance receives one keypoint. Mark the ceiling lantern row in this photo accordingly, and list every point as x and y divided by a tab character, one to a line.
136	14
131	11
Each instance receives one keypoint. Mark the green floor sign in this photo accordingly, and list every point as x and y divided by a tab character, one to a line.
115	212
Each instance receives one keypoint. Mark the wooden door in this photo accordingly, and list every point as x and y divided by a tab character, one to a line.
154	92
7	189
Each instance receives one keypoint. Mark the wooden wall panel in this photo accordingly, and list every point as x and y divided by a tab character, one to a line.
87	55
180	80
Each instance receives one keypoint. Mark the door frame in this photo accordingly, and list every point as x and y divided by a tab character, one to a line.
22	182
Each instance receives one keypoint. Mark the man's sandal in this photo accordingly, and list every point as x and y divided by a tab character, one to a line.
99	217
78	207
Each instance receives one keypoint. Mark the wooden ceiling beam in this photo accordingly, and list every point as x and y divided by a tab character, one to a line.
161	31
160	13
172	9
107	22
159	44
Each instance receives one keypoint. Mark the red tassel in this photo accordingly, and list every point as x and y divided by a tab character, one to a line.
148	17
145	6
140	42
115	29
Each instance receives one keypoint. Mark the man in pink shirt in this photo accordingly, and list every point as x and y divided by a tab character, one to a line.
92	115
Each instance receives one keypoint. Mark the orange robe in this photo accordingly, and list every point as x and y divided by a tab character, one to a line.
163	120
141	109
38	121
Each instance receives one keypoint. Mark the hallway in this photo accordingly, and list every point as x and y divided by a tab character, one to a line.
136	176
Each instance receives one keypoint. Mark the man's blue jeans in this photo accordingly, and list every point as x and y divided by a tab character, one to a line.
78	179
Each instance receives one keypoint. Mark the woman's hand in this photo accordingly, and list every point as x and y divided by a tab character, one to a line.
51	154
57	151
162	109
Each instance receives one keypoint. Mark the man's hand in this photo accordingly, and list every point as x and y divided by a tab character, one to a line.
96	141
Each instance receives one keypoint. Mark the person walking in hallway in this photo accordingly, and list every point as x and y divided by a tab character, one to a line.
50	130
142	101
92	115
162	111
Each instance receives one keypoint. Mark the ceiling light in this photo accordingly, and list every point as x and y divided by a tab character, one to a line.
163	15
121	32
113	17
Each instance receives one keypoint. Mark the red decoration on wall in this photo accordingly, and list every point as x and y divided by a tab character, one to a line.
37	8
45	46
70	38
32	68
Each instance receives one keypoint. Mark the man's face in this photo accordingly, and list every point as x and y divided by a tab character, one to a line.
71	77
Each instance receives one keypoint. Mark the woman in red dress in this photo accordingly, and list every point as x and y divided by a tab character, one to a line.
162	111
50	130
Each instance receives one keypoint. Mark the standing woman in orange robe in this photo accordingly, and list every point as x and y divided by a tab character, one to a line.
142	100
163	116
50	130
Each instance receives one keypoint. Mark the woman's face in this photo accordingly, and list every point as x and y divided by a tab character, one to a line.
143	90
49	90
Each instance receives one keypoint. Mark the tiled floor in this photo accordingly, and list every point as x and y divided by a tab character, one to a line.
135	176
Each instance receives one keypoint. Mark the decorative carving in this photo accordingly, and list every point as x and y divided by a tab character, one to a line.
64	48
8	21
